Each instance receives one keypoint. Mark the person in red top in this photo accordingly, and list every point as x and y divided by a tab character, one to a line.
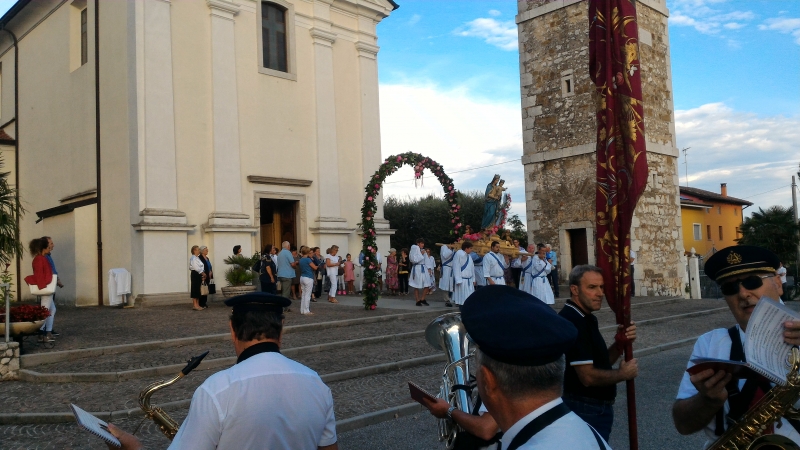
42	276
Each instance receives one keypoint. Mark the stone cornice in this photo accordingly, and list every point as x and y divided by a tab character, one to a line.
257	179
223	6
367	50
322	36
657	5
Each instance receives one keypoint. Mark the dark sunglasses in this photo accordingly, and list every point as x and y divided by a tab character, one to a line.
749	283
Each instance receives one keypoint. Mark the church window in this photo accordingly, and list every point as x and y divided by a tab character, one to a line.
720	232
273	36
697	233
567	83
84	36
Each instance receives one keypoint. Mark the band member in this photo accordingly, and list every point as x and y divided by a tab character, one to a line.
463	274
534	275
708	399
266	400
520	370
446	280
494	266
590	380
419	274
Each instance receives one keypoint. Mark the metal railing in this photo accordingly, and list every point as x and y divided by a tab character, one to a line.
6	287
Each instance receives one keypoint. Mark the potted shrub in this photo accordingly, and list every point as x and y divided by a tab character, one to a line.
25	319
239	277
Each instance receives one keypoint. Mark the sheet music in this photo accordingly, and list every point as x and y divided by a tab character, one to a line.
765	348
94	425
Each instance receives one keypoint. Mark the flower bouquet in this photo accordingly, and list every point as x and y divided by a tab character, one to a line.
24	319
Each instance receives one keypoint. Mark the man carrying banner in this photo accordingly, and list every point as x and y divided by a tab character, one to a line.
710	400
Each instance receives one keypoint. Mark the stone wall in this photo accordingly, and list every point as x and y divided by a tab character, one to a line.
9	361
559	138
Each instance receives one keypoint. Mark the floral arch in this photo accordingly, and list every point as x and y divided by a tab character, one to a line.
390	166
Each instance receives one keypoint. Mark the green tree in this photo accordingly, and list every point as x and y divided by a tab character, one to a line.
428	218
774	229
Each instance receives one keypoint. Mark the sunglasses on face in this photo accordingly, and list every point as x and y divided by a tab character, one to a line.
750	283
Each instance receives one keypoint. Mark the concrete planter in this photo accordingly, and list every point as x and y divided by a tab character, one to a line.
22	327
233	291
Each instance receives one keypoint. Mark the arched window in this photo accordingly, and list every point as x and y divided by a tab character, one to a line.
274	37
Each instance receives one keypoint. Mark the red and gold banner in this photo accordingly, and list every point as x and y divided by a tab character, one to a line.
621	158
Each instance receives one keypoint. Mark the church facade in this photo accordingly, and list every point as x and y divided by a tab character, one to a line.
559	141
146	127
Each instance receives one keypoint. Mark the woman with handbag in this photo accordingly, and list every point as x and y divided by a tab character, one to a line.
207	280
197	270
45	281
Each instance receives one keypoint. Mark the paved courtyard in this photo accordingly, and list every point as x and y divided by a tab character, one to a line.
366	357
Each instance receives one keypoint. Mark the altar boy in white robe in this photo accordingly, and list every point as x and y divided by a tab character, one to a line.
534	275
446	281
494	266
463	274
418	278
430	264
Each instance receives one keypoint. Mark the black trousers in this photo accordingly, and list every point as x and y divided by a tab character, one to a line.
402	278
553	277
515	274
633	283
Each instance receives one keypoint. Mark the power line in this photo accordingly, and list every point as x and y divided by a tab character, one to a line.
766	192
459	171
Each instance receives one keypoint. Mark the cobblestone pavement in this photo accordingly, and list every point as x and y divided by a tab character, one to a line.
222	349
656	387
95	326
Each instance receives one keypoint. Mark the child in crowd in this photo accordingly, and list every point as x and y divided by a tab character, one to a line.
350	275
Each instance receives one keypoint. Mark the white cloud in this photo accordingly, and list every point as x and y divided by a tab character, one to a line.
494	13
501	34
700	15
414	19
785	25
752	154
457	130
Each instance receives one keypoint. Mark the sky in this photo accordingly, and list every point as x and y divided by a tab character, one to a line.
449	89
449	85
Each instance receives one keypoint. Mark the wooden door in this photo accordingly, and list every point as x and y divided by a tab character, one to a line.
578	247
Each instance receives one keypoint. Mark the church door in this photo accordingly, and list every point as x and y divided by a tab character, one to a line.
278	222
578	247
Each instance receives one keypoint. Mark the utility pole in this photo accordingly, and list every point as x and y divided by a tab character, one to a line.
686	164
796	220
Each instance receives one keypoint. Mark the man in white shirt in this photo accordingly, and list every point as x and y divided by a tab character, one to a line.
418	278
520	371
706	400
446	280
534	276
633	282
494	266
264	401
781	272
463	274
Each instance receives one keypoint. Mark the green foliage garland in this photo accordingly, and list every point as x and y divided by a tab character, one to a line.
390	166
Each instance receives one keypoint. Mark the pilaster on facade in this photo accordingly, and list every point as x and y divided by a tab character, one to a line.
323	37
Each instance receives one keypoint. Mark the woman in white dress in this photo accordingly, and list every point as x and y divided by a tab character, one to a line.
332	263
534	276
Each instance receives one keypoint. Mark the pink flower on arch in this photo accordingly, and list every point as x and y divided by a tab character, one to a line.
377	186
369	198
399	158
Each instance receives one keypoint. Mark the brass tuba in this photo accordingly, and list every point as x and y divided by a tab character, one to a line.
747	433
165	423
447	333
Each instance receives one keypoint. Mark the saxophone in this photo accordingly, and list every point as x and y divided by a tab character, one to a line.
447	333
165	423
747	433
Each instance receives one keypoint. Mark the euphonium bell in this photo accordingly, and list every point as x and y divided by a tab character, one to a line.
447	333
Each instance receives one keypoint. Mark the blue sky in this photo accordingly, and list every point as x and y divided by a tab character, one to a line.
736	81
449	77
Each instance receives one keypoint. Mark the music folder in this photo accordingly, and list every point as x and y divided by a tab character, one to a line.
417	393
94	425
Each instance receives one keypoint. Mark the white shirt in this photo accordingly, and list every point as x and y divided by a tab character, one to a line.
492	267
267	401
568	432
717	344
782	272
517	262
333	272
633	258
196	264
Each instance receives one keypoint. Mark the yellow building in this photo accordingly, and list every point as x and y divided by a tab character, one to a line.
710	221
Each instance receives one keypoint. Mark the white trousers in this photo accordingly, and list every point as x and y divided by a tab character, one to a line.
47	302
306	286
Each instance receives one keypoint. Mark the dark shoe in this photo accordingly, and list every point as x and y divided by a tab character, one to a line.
419	303
55	333
424	302
448	304
314	300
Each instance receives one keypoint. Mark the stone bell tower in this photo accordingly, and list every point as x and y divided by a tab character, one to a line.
559	134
